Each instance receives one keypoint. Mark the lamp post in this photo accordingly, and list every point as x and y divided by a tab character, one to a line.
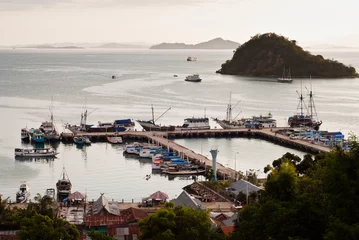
235	166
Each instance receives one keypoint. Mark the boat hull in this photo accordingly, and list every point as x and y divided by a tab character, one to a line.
199	172
284	80
197	80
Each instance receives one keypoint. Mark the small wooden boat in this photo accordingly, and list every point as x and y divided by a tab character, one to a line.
36	152
185	172
79	140
114	139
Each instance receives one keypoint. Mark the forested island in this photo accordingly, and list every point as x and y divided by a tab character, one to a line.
268	54
217	43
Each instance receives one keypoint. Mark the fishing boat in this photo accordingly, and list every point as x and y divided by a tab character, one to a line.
302	119
114	140
151	125
25	135
258	122
184	172
286	78
194	123
193	78
36	135
63	186
23	195
49	129
36	152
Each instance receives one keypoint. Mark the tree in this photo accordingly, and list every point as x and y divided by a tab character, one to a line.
178	223
40	227
98	236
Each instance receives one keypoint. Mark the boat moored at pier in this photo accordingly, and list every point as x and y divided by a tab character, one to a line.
63	186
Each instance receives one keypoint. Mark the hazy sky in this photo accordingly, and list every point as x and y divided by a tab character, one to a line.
190	21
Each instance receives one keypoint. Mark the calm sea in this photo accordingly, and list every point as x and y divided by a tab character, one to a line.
79	79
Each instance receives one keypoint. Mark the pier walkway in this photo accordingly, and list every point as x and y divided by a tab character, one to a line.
164	139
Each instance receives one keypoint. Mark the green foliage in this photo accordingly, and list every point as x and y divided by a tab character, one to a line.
268	54
99	236
178	223
217	185
40	227
322	203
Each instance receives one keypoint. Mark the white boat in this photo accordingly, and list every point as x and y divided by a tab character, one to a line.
184	172
148	151
86	140
190	59
193	123
285	78
36	152
193	78
23	195
114	140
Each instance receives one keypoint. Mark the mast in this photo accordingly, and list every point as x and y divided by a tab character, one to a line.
204	112
301	104
153	114
229	108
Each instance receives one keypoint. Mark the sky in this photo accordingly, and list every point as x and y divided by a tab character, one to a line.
310	22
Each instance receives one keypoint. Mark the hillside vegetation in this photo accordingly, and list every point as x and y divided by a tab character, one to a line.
267	54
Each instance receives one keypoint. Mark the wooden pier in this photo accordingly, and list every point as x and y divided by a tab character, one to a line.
164	139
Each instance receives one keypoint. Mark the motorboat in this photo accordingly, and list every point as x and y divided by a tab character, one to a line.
36	152
23	195
193	78
25	135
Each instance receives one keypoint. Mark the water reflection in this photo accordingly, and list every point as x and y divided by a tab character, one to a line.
35	159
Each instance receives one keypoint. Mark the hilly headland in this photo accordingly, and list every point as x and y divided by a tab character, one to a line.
217	43
268	54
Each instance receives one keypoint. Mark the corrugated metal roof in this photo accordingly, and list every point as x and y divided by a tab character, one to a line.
102	203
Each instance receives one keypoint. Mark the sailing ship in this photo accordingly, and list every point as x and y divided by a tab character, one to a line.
23	195
254	122
285	78
63	186
151	125
310	119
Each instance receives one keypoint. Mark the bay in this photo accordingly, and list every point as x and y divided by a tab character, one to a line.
81	79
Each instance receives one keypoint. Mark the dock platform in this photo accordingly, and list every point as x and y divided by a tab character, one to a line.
165	140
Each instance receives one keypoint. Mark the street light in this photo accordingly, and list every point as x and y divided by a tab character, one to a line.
235	166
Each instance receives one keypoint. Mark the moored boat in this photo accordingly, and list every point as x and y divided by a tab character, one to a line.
302	119
36	152
63	186
36	135
23	195
286	78
114	140
185	172
193	78
25	135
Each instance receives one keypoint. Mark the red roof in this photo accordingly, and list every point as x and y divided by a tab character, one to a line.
133	214
158	195
77	196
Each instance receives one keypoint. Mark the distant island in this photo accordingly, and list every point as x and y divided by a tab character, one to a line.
268	54
45	46
120	45
217	43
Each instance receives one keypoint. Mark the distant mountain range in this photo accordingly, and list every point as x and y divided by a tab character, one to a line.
217	43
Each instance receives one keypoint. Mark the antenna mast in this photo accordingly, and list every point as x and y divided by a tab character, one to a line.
153	114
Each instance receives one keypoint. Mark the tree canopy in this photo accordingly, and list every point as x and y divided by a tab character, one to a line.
269	54
178	223
318	203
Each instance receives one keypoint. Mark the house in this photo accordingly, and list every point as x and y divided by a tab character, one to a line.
184	199
243	186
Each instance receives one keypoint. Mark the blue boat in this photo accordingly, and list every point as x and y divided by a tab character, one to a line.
36	135
79	140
